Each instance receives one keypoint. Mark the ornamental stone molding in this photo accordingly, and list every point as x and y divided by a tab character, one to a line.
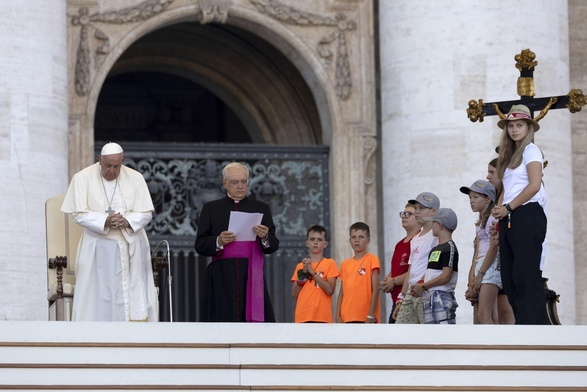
211	11
88	23
339	25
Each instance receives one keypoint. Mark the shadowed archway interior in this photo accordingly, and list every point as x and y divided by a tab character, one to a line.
160	107
212	83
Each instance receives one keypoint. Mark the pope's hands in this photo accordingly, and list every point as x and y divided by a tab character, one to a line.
116	221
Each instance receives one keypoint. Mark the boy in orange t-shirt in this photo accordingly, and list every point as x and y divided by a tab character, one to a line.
358	298
314	281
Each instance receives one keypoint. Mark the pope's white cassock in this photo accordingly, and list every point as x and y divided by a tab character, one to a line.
114	275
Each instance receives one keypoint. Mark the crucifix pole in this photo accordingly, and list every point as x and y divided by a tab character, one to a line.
525	63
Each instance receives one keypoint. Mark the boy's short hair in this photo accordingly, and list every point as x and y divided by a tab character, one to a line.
317	229
360	226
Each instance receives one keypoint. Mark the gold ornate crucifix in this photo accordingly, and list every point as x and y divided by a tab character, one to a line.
525	63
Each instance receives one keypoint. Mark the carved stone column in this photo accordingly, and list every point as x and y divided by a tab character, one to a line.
578	218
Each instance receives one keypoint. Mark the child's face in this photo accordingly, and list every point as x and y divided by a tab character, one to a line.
408	222
359	240
436	227
316	242
422	212
478	201
492	176
517	129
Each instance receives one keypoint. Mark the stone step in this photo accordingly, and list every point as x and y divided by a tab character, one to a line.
285	357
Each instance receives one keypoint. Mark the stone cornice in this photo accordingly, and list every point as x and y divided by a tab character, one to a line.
94	43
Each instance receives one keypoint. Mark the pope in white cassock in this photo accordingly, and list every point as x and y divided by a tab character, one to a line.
114	275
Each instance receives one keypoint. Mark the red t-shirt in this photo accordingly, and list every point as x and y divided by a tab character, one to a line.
399	264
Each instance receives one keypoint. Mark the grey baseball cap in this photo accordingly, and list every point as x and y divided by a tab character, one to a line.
427	199
483	187
444	216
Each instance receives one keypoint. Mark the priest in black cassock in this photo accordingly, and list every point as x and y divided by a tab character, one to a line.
234	288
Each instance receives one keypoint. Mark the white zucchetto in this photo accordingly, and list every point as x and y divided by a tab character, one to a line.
111	149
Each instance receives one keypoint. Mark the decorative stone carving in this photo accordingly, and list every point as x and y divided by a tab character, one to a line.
214	11
369	159
293	16
145	10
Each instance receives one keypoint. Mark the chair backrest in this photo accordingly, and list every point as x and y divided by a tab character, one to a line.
63	236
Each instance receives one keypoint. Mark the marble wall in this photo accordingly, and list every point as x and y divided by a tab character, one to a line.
433	61
578	216
33	147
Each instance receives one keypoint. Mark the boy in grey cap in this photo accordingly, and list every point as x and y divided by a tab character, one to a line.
440	280
408	308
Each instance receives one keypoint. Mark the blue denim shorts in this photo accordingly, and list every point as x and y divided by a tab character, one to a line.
492	275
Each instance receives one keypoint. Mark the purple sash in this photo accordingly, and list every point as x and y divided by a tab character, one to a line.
255	311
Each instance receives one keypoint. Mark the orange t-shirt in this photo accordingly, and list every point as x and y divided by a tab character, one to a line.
355	277
313	303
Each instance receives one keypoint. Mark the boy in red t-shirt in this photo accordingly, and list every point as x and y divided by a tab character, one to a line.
394	281
314	281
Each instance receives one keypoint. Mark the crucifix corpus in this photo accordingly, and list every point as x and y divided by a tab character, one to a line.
525	63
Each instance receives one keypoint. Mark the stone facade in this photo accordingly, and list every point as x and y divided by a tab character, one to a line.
433	60
578	216
329	42
33	147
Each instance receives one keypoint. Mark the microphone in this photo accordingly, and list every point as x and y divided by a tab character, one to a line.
169	279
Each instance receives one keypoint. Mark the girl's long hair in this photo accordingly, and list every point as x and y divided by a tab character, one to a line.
485	214
509	155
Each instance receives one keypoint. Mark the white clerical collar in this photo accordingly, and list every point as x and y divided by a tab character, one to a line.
233	199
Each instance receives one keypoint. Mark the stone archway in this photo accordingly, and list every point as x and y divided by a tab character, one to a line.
253	79
330	44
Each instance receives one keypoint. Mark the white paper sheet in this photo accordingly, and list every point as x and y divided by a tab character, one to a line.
241	224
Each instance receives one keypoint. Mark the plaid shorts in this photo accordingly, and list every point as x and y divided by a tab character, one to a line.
440	307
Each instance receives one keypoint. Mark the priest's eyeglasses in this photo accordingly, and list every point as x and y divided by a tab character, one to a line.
405	214
236	182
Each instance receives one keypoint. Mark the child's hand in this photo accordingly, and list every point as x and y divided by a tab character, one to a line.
471	294
417	290
398	304
386	285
